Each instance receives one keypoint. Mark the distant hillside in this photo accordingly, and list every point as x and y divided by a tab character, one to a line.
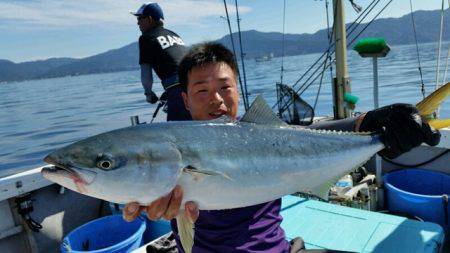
10	71
121	59
394	30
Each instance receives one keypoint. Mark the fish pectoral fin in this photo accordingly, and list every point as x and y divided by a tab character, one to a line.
200	174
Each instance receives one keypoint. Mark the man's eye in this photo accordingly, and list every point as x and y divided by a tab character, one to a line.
201	91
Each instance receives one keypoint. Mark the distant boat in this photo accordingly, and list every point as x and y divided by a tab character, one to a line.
263	58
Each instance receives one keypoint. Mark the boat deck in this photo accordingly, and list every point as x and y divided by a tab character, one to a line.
327	226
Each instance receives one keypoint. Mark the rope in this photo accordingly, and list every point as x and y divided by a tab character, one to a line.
417	49
363	15
306	86
234	53
320	58
368	24
311	67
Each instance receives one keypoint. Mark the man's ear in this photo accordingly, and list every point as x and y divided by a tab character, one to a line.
185	100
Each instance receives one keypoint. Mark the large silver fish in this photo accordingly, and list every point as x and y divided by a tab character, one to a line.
220	164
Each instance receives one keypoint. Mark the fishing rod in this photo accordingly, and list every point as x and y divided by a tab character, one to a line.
242	53
162	103
234	55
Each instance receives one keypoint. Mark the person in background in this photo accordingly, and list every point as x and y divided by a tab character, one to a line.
208	77
160	50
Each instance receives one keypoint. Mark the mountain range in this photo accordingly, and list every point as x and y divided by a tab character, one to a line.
396	31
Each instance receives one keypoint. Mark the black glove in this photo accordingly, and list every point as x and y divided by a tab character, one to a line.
151	97
401	129
163	96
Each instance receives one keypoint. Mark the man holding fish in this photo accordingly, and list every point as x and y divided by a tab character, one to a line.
208	75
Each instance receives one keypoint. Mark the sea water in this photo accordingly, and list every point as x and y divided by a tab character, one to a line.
39	116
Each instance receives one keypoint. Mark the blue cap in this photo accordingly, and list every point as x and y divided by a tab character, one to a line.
150	10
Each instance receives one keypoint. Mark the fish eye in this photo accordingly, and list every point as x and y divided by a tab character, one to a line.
105	161
104	164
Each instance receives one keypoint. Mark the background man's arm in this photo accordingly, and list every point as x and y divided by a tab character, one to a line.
147	83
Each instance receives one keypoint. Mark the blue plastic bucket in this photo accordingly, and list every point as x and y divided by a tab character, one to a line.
154	230
107	234
421	193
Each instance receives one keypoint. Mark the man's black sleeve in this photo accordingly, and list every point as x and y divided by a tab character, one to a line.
145	51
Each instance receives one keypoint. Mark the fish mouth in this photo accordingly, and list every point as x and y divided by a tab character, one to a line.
78	175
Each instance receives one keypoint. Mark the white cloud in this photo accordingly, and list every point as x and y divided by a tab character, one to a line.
58	13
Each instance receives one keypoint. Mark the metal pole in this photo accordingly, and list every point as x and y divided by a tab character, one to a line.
378	168
341	82
375	82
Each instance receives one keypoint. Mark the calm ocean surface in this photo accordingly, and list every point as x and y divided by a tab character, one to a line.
39	116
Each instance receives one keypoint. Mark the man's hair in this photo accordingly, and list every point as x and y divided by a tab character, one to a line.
203	54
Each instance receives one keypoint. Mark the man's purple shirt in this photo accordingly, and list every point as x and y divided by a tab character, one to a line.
247	229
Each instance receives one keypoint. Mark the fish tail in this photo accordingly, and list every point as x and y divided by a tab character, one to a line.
429	104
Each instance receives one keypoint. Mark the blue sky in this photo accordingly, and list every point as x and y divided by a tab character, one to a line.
40	29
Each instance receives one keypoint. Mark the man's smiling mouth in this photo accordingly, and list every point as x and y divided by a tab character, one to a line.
218	113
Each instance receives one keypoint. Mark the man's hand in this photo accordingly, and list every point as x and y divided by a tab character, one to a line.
401	128
151	97
166	207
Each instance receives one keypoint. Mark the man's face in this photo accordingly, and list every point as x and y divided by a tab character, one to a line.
144	23
211	92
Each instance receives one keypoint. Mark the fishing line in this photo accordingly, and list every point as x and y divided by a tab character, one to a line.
326	59
364	15
371	21
348	44
332	44
328	51
305	86
417	49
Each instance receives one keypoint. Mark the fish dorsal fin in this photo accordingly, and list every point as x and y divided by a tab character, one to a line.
261	113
